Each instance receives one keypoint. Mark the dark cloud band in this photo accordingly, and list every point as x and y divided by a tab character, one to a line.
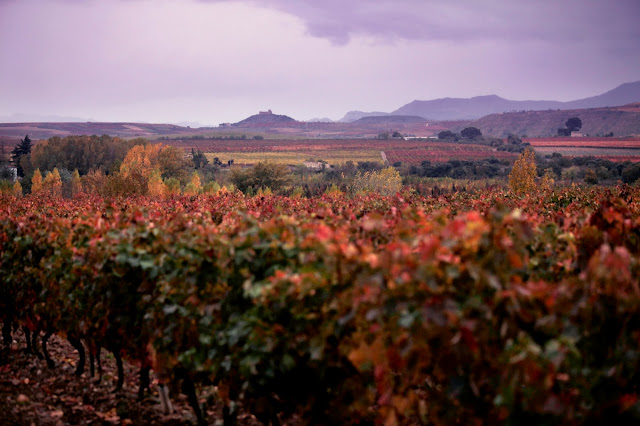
547	20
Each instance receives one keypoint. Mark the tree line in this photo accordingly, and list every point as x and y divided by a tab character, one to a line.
112	166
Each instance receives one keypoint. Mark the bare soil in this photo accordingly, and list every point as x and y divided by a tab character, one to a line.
32	394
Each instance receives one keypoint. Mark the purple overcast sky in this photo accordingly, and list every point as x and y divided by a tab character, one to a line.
213	61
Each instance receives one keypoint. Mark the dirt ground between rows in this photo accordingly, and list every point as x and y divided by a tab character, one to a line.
32	394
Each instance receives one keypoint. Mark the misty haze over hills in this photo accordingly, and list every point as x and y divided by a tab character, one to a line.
33	118
480	106
443	109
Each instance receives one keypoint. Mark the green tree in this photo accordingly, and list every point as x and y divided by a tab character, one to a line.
591	177
471	133
172	163
22	149
172	186
211	188
573	124
199	159
82	152
194	186
447	134
631	173
514	139
4	160
263	174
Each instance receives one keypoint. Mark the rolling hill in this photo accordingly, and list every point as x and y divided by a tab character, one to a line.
479	106
622	121
265	119
47	130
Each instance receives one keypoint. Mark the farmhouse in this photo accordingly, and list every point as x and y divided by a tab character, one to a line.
316	165
14	173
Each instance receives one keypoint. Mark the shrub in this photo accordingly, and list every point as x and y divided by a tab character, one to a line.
590	177
631	173
384	182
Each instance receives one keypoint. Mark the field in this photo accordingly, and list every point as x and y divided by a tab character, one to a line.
297	157
266	145
439	152
282	131
623	149
613	154
586	142
339	151
469	308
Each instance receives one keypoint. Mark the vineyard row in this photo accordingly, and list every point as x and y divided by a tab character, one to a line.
457	309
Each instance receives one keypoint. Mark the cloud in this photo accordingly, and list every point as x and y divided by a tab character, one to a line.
463	20
446	20
218	60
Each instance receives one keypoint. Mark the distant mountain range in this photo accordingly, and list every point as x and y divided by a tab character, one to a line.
352	116
615	111
390	119
621	120
480	106
39	118
320	120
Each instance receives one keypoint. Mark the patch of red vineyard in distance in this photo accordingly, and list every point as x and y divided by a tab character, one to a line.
270	145
442	152
585	142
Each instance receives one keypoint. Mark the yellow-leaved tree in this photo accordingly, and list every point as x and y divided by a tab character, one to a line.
547	181
52	184
522	179
17	189
36	182
76	183
385	182
194	186
141	159
94	182
333	191
156	186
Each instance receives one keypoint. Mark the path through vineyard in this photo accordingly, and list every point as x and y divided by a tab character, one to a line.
30	393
